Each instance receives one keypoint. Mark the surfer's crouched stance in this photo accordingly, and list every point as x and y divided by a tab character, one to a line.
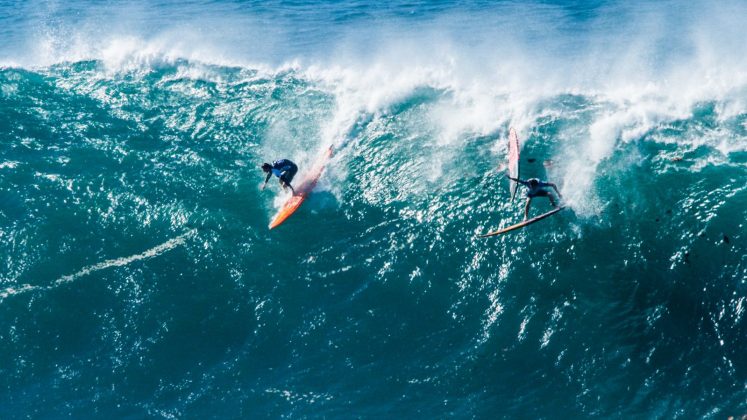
537	188
283	169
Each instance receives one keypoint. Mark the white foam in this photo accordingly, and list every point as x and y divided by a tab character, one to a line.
645	65
120	262
115	262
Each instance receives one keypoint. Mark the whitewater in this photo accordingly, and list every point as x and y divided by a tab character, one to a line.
138	277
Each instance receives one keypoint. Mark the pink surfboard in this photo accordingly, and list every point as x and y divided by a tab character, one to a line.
513	160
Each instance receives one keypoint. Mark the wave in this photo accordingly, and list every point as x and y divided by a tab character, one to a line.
132	127
435	105
418	140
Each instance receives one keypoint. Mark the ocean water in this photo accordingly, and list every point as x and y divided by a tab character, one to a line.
138	278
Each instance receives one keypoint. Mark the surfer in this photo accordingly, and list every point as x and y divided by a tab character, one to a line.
537	188
283	169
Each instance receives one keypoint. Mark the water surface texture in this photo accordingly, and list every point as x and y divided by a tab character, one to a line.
138	278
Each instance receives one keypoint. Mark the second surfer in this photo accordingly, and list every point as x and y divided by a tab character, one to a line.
537	188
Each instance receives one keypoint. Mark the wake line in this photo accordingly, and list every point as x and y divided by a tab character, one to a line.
115	262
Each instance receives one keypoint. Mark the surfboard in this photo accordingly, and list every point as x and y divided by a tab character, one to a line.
522	224
513	160
303	190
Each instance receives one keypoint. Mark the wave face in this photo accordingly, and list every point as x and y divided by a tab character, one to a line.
139	277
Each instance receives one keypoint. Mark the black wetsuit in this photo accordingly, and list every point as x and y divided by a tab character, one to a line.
284	169
539	189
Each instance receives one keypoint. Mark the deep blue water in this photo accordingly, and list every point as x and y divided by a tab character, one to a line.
138	278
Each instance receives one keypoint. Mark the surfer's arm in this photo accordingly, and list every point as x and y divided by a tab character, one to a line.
267	178
517	180
555	187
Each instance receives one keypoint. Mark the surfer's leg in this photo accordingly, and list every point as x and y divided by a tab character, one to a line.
290	174
285	182
526	208
543	193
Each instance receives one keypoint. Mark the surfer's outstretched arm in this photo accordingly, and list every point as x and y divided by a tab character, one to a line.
267	178
555	187
517	180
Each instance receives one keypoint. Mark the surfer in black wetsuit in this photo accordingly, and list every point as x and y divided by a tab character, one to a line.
283	169
537	188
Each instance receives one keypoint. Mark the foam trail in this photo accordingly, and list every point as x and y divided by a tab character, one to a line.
115	262
17	290
119	262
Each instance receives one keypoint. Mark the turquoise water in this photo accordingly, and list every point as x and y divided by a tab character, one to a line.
139	278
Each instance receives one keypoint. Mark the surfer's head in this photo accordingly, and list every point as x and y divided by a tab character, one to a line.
533	182
266	167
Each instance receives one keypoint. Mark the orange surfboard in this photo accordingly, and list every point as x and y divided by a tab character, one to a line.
302	190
